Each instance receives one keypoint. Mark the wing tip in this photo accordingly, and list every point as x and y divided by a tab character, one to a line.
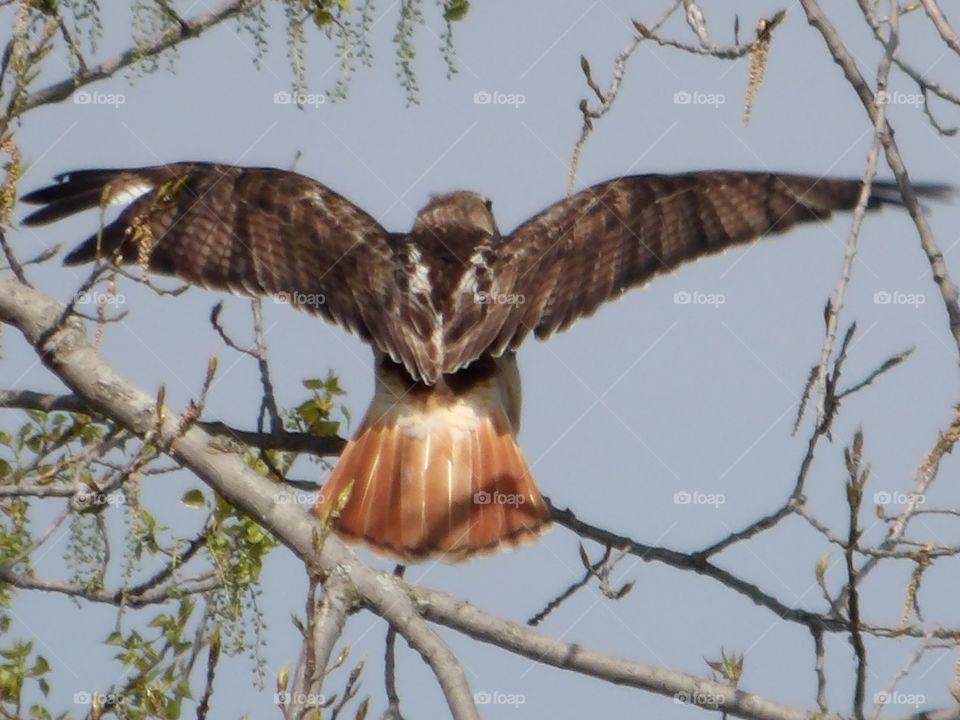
887	192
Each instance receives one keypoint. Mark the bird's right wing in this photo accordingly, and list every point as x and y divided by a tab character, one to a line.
592	247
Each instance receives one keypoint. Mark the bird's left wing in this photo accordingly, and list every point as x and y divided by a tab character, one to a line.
257	231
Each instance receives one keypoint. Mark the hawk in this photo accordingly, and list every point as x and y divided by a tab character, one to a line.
434	469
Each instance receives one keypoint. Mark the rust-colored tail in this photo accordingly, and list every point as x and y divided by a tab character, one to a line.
437	471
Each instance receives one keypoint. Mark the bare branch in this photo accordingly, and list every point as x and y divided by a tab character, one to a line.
390	667
834	308
943	27
282	440
154	595
465	618
698	563
191	28
329	617
846	61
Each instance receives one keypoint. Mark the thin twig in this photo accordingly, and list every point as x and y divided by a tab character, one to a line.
191	28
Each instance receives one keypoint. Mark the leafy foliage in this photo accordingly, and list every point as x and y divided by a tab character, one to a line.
157	650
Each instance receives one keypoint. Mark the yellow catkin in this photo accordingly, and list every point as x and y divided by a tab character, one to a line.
759	56
8	194
911	604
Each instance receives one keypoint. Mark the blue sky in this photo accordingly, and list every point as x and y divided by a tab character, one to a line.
646	399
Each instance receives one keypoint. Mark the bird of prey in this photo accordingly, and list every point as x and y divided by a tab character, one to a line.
434	469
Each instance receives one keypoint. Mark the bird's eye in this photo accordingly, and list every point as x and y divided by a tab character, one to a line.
489	204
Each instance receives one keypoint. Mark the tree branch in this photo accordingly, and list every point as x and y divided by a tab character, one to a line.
942	25
281	440
63	347
948	289
185	31
465	618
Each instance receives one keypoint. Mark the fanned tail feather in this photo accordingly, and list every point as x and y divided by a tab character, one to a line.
436	475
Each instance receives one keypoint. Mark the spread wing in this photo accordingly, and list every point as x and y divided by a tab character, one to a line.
257	231
594	246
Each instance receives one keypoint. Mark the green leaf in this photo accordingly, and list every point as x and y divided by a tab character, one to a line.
194	499
322	18
456	10
40	666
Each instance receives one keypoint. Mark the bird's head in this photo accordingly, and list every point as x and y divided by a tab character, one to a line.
457	211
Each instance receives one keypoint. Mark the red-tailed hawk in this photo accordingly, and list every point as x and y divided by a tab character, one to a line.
435	465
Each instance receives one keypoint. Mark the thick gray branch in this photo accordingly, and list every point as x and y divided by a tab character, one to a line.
461	616
63	347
